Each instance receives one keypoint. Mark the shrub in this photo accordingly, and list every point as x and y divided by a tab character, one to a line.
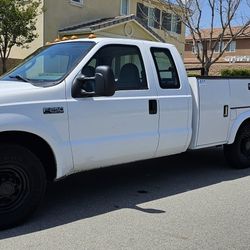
235	72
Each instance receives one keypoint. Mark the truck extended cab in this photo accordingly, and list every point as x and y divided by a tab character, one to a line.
88	103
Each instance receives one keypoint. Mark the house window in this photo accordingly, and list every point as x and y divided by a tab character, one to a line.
218	47
171	22
176	24
149	16
124	7
166	21
142	13
230	48
77	2
197	47
155	18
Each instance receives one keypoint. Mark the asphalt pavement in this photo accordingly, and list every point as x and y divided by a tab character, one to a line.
187	201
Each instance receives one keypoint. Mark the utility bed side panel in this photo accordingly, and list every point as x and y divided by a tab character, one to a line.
211	98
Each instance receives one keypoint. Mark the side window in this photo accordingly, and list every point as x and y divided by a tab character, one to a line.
126	63
167	73
89	69
124	7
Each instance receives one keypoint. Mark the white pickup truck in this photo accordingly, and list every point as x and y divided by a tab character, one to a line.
88	103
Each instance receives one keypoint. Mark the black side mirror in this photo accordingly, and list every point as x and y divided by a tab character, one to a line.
104	82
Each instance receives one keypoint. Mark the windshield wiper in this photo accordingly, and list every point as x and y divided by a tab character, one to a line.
19	77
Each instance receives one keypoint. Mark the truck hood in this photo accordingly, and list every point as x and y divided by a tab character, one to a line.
17	91
13	86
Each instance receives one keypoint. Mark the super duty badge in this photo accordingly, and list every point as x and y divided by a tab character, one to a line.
53	110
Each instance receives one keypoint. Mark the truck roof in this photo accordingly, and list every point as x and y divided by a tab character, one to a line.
118	40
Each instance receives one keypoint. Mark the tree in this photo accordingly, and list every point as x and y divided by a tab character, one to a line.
221	17
17	25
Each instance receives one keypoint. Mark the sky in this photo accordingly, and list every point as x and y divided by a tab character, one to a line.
243	11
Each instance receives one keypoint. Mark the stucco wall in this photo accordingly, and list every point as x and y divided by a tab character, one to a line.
137	32
60	14
130	30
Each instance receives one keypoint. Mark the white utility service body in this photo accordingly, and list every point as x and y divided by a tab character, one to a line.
220	106
46	104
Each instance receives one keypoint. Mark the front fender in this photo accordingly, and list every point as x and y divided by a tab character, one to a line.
55	134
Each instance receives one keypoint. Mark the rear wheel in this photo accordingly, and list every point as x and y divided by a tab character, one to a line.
22	184
238	153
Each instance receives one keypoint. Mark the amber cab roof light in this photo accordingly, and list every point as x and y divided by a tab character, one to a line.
92	36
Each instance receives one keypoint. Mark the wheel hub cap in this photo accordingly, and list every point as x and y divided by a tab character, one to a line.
7	189
247	146
14	187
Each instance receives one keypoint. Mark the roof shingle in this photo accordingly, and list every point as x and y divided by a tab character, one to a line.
107	22
217	31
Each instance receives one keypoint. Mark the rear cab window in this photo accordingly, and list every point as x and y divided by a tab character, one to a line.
166	69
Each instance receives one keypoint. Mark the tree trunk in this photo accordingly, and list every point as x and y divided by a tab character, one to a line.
205	68
4	65
206	71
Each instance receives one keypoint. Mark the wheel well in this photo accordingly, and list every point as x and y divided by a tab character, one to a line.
36	145
243	124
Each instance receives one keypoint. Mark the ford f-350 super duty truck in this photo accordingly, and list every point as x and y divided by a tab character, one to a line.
87	103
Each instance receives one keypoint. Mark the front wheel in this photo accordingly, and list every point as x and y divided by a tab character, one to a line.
238	153
22	184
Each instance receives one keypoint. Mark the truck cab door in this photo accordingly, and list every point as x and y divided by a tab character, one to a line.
175	102
118	129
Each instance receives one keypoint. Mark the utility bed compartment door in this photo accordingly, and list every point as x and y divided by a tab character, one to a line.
213	112
240	93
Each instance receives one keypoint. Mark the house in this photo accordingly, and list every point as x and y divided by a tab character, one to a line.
136	19
236	56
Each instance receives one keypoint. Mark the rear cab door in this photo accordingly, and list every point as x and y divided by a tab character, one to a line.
174	98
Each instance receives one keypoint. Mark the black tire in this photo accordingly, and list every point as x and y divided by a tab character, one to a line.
22	184
238	153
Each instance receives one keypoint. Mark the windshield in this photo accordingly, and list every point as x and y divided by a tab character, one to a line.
50	64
